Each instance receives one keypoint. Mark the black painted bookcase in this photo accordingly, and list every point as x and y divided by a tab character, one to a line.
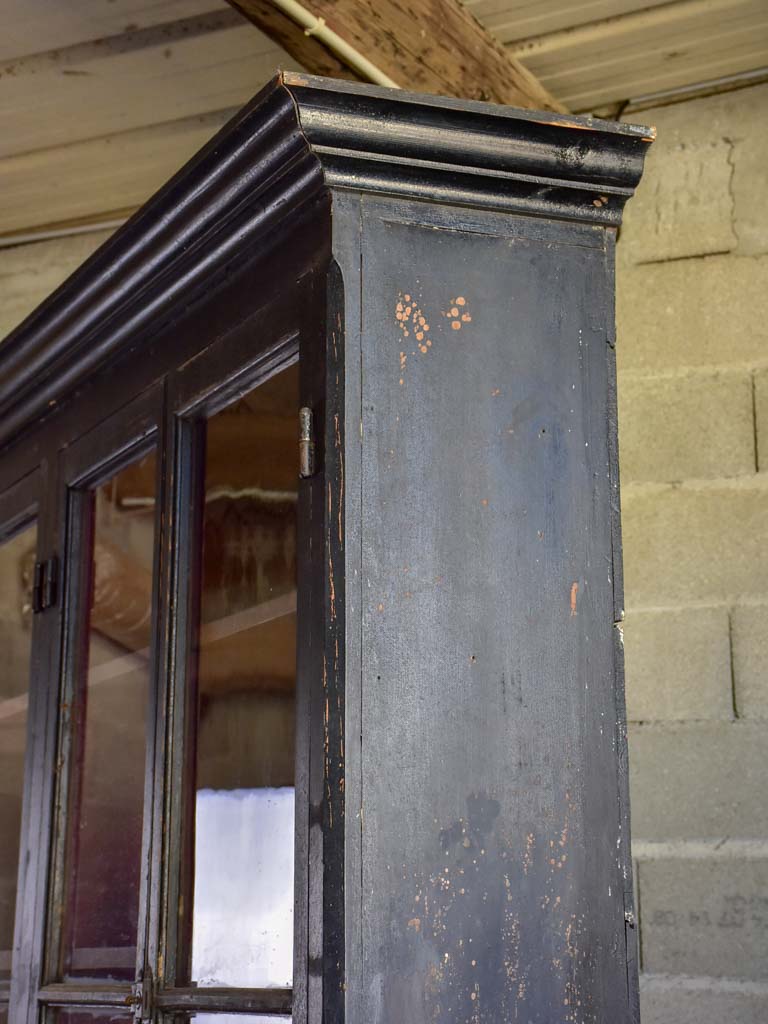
422	289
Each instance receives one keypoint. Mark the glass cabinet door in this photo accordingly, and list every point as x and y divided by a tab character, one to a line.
175	751
21	713
97	910
235	944
109	721
245	654
18	554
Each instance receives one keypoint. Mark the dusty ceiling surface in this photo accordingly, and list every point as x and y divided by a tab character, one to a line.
589	53
102	100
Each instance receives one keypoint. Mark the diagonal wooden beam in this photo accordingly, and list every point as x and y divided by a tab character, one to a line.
433	46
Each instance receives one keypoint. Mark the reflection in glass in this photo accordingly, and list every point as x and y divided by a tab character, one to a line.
243	882
84	1015
238	1018
109	745
17	558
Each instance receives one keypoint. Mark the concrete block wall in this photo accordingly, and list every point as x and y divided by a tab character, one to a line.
692	352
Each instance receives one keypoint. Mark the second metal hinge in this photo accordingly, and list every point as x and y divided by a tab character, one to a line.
306	442
45	584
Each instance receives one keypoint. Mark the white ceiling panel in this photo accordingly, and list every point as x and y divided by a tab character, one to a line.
36	26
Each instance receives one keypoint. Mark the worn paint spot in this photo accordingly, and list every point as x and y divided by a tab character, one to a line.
574	596
410	319
454	314
530	841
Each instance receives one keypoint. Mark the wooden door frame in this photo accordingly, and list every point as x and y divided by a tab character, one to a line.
130	431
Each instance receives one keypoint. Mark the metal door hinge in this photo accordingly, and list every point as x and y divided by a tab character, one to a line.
306	442
45	584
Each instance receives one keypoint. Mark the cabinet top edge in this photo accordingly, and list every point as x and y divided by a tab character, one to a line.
303	86
298	141
372	139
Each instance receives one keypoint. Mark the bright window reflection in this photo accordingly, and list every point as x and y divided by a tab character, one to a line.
242	926
238	1018
244	897
17	558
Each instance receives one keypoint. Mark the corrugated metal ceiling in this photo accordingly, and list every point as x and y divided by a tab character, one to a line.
596	52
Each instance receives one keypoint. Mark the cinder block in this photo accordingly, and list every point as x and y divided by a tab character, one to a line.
29	273
761	415
686	426
750	180
699	312
684	206
703	543
698	780
678	665
750	660
703	173
701	1001
707	916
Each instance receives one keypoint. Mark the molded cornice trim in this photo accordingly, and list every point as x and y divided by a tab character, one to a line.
299	139
478	154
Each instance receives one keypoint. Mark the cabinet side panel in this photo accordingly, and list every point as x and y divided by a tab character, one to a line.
492	861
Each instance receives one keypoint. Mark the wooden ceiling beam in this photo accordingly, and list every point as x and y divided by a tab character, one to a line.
433	46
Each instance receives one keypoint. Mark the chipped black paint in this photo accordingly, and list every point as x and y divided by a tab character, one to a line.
493	878
446	271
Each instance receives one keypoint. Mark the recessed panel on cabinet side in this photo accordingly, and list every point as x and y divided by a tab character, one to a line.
493	868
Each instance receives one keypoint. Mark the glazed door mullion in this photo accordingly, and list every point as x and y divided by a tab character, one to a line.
198	392
235	369
110	545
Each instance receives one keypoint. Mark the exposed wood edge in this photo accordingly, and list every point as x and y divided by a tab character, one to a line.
607	29
294	39
461	59
318	29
